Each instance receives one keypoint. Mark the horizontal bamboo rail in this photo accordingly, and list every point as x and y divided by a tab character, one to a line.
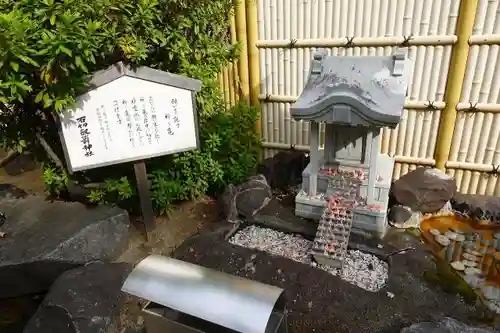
493	39
414	105
360	42
399	159
434	40
478	107
409	104
403	159
472	167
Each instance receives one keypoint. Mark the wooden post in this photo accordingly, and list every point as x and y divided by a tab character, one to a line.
314	157
141	177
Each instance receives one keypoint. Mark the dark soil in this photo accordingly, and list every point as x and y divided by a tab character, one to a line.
320	302
15	313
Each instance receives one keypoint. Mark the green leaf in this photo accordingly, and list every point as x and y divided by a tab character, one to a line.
14	66
53	20
39	96
28	60
58	105
47	101
23	86
80	64
43	52
65	50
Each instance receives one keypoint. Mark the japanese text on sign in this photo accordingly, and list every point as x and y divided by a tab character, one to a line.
154	119
128	119
85	136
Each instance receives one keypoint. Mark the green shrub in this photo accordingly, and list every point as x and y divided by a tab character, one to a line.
229	152
48	48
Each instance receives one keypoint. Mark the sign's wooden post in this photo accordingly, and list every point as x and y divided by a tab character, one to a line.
141	177
131	115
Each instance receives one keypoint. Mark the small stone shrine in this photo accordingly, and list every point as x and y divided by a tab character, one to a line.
347	184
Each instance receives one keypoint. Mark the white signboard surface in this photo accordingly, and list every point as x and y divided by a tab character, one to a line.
125	120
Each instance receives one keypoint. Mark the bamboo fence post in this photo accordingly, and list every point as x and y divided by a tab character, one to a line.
458	65
241	33
253	56
233	66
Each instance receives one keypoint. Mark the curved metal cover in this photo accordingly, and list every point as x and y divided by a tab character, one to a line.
236	303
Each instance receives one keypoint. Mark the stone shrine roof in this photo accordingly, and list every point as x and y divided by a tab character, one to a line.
355	90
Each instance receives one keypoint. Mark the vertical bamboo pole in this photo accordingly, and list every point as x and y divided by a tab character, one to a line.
253	56
232	68
241	33
458	64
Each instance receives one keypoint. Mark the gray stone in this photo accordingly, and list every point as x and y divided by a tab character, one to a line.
21	164
403	217
363	90
87	299
246	199
253	195
475	206
424	190
444	325
282	218
399	214
10	191
43	239
284	169
227	204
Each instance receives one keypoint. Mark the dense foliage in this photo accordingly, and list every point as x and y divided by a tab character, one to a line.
48	48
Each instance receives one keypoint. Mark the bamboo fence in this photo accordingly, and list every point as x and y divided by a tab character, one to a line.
452	113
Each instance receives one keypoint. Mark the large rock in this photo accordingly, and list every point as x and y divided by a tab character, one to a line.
43	239
20	164
87	299
403	217
253	195
284	169
444	325
478	207
424	190
227	204
8	191
246	199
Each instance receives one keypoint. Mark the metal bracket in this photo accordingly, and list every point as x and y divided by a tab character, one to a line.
399	58
316	66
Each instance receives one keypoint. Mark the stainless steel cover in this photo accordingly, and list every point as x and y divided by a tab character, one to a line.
236	303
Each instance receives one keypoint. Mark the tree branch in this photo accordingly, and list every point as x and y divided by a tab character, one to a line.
9	158
50	152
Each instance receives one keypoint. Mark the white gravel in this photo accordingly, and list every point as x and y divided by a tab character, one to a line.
361	269
274	242
494	305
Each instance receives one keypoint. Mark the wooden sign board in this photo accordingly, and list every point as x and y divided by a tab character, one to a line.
129	116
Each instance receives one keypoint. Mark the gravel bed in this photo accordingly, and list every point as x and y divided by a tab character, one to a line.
361	269
494	305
